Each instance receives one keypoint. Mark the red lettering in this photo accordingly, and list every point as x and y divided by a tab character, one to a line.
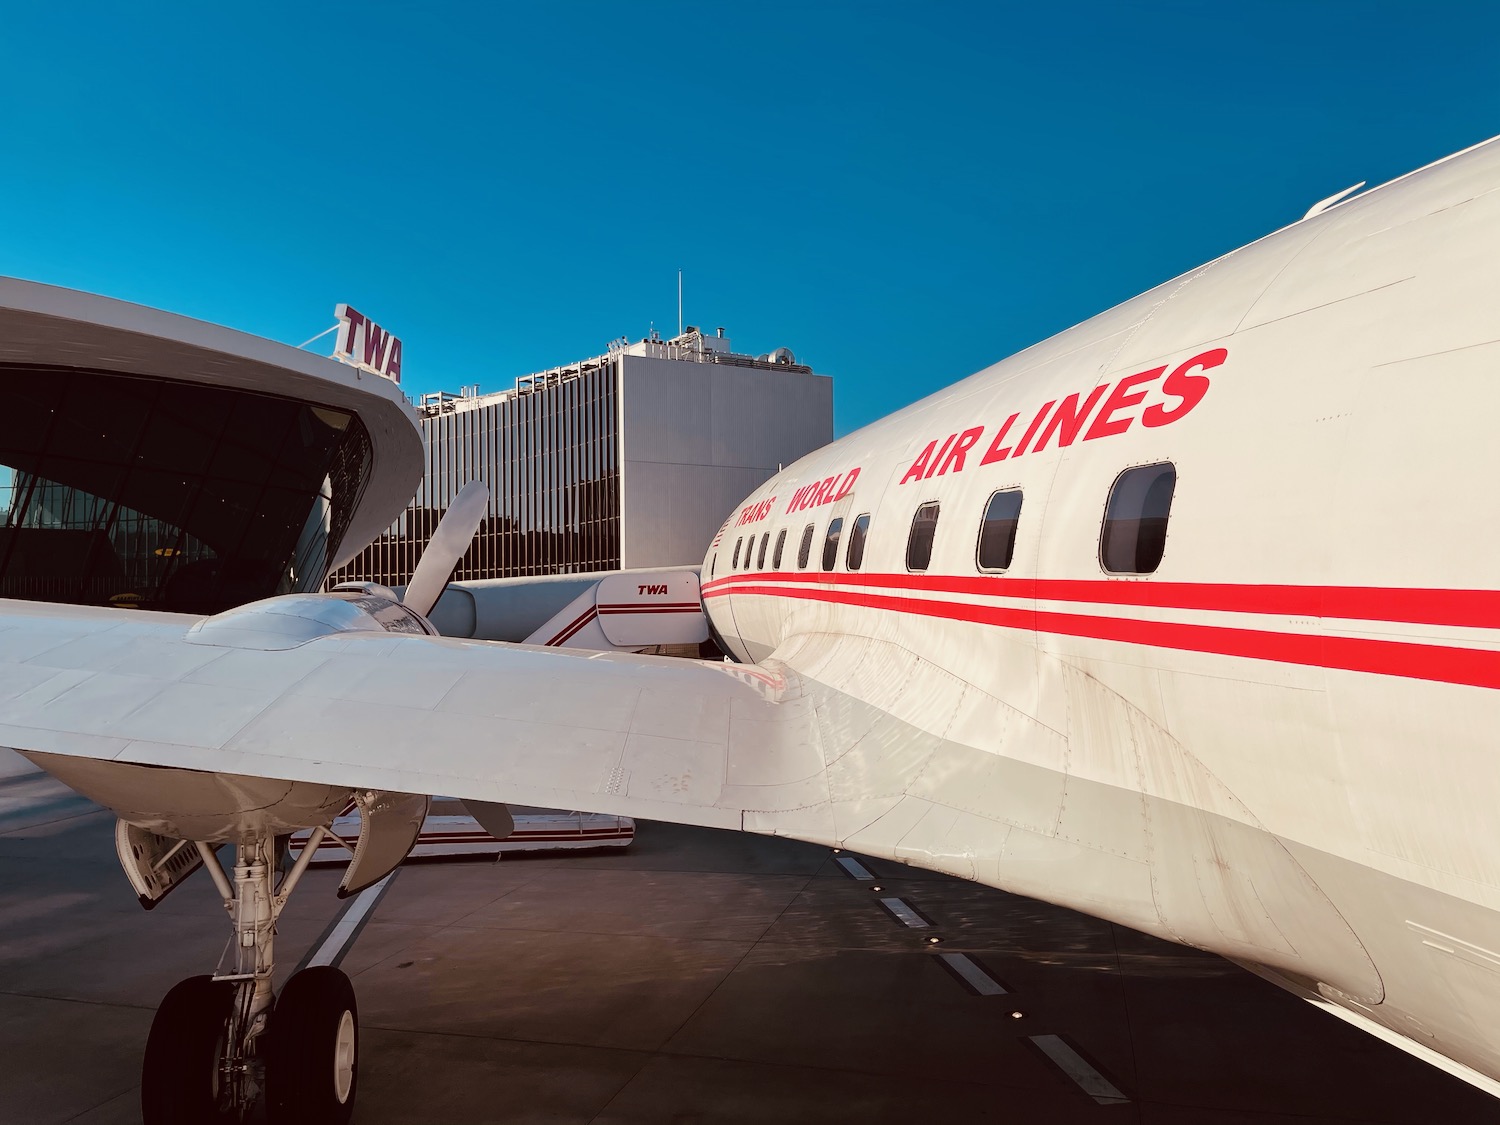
1069	419
352	321
919	466
393	361
1036	424
375	338
1123	397
1189	388
938	460
965	442
848	485
995	452
795	503
825	489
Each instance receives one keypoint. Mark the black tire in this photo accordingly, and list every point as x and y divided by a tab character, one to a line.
180	1080
312	1057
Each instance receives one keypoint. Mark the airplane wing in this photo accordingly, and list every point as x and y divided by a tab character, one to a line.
701	743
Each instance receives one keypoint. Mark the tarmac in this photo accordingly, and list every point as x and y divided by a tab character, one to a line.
700	976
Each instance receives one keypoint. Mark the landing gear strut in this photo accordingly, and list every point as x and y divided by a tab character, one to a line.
219	1043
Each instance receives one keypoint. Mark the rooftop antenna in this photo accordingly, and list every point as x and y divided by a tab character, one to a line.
679	302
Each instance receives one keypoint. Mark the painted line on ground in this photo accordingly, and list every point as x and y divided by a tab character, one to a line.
905	914
337	939
853	868
972	974
1066	1058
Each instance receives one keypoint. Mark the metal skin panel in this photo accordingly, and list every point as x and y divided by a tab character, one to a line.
1278	745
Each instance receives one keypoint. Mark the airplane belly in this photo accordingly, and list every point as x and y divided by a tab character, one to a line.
194	804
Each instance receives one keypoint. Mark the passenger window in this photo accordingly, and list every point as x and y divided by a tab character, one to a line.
997	534
831	543
804	551
857	534
735	562
780	546
1135	519
919	540
760	558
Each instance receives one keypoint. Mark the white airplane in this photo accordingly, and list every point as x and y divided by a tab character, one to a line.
1186	618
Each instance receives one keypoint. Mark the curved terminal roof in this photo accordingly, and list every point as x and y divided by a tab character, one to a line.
50	326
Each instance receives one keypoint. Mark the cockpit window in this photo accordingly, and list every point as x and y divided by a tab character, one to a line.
857	535
1134	536
760	557
780	545
734	563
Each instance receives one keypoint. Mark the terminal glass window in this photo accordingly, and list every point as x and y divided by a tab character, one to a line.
919	539
857	535
804	551
1135	519
122	490
997	534
776	554
831	543
760	557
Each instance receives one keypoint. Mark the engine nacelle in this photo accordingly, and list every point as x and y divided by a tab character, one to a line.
291	620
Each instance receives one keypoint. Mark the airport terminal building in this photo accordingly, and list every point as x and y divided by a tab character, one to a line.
632	458
152	460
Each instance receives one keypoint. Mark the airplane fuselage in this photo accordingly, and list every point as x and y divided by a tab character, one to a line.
1277	743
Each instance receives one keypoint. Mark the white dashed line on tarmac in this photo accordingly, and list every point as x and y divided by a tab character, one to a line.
853	868
972	974
905	914
1079	1069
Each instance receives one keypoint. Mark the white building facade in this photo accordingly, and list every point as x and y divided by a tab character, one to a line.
629	459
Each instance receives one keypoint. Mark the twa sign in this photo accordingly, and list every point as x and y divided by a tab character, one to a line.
365	344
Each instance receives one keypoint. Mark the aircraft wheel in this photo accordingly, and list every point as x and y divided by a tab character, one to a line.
312	1063
181	1078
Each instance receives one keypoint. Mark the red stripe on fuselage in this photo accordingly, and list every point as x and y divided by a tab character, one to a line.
1471	667
1478	609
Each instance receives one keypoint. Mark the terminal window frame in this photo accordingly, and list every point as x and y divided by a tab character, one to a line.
734	563
780	547
920	538
995	549
760	558
859	531
804	549
831	542
1133	536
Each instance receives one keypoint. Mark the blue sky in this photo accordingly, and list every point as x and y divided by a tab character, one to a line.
900	193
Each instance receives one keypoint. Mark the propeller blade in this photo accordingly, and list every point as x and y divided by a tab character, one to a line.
455	531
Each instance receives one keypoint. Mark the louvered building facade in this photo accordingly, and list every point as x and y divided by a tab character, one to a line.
631	458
